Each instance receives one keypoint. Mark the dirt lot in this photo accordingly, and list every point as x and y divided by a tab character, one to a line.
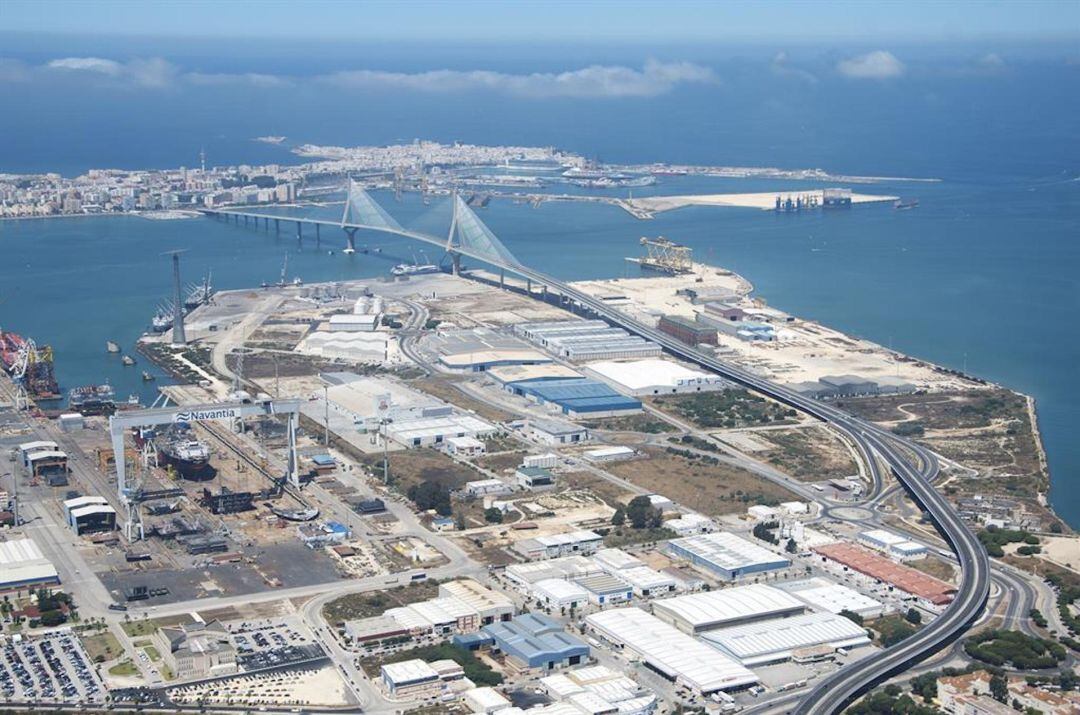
712	488
612	494
810	453
933	566
443	388
633	423
987	430
499	462
413	466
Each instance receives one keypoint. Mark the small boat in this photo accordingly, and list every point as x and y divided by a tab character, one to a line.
111	347
127	360
147	377
902	205
133	400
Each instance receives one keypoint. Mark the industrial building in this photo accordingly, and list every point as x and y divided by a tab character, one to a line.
465	446
576	397
516	373
727	555
554	432
581	542
533	640
896	546
548	460
484	701
687	330
484	360
654	377
433	431
595	690
809	636
353	323
485	487
559	593
197	650
850	385
690	525
931	592
28	448
524	575
534	478
490	605
609	454
89	515
670	652
24	566
708	610
375	631
824	595
583	340
413	679
355	346
606	589
50	465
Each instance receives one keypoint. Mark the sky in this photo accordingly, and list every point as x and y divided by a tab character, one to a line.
551	20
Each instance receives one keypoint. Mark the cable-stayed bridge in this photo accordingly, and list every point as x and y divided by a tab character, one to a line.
911	464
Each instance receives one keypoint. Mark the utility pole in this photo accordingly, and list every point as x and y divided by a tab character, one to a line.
386	454
326	415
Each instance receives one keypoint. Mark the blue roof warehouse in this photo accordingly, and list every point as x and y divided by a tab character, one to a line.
532	640
576	396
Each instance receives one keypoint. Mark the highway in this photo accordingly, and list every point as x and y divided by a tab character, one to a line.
872	442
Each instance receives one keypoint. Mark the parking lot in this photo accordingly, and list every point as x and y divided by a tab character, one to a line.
50	668
272	643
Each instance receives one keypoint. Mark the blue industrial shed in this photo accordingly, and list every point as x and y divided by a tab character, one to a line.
536	641
576	395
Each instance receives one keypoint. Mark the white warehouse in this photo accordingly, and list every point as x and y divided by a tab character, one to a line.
675	655
894	545
781	639
824	595
654	377
697	612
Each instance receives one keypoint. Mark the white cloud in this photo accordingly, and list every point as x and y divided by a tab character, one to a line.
596	81
873	65
653	79
86	64
153	72
782	66
249	78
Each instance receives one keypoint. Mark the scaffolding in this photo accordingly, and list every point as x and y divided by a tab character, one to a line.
666	256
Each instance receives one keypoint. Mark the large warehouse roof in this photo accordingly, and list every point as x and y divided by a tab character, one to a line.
774	640
832	597
712	609
675	654
645	374
726	551
23	563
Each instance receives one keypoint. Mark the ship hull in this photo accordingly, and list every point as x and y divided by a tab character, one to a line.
192	470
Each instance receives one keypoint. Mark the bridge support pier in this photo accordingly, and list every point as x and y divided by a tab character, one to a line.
502	279
277	225
299	231
455	262
266	224
528	286
350	240
318	237
543	293
245	220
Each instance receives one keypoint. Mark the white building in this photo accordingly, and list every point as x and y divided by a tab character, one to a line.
558	593
489	604
23	565
582	542
433	431
648	582
548	460
697	612
780	639
613	560
465	446
353	323
691	524
609	454
484	701
824	595
554	432
727	555
524	575
896	546
670	652
760	512
485	487
412	679
654	377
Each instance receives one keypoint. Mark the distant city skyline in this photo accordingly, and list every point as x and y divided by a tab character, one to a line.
545	21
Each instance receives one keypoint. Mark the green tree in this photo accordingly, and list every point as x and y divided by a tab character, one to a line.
619	517
852	616
642	514
913	616
493	515
999	688
791	547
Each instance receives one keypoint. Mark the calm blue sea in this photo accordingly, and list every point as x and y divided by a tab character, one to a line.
982	275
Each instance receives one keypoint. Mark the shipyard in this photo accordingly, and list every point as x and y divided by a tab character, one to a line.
452	484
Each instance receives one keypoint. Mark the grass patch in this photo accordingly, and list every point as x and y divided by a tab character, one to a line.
372	603
1014	648
149	626
727	409
625	535
124	668
645	423
811	453
102	646
933	566
892	629
152	653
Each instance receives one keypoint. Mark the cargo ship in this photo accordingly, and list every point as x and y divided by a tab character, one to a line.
29	365
414	269
178	448
163	319
904	205
92	400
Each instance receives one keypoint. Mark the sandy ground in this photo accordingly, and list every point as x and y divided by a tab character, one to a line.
1062	550
766	200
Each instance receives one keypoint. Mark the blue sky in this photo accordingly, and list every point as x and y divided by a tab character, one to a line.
550	20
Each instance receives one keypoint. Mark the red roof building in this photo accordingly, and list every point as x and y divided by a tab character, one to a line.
882	569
